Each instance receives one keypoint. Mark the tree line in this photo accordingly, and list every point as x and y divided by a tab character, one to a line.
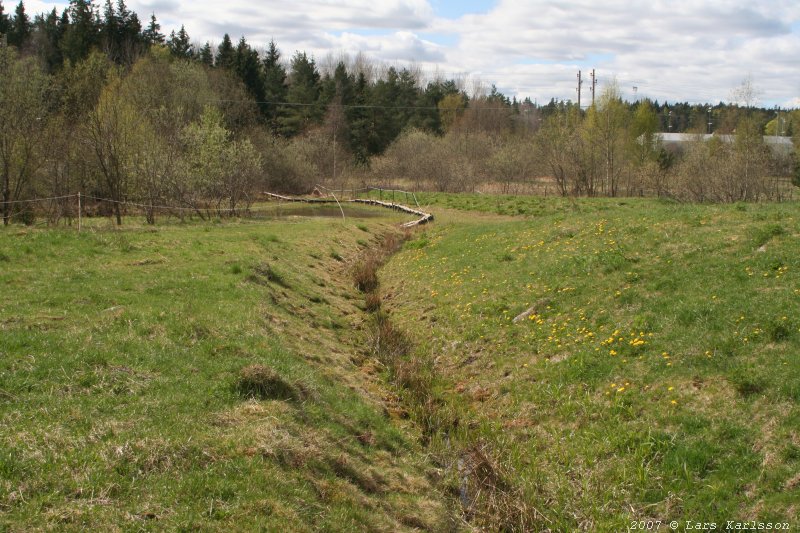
292	96
93	100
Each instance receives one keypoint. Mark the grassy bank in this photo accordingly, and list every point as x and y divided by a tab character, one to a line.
541	363
197	376
653	371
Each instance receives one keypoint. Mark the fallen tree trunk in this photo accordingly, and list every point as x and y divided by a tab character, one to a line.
424	217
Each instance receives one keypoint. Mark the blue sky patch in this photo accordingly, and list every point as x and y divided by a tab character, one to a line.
453	9
441	39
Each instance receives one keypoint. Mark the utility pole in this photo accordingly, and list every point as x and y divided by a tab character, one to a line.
594	84
334	155
580	82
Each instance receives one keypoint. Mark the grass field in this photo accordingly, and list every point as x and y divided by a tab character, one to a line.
230	376
197	376
654	372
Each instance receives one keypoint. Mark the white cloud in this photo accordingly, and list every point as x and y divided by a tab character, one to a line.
676	50
695	50
399	46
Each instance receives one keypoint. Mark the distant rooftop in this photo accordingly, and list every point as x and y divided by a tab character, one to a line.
690	137
677	141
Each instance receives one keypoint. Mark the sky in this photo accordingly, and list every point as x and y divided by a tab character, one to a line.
678	50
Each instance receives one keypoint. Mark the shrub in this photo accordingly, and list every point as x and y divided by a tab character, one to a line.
372	301
392	242
488	496
27	217
764	234
365	273
779	330
266	272
391	342
262	382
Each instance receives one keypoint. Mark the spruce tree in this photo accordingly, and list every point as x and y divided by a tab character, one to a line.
337	94
206	55
304	92
360	120
110	30
339	87
128	39
225	53
395	95
427	115
275	88
50	31
152	34
20	30
63	24
4	24
82	32
248	67
179	44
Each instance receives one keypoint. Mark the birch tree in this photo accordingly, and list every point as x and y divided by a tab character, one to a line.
23	117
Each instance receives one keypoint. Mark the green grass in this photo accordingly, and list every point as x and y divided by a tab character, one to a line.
138	378
656	374
509	205
226	376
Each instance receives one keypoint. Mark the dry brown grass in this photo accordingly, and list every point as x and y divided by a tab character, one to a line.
372	302
365	269
489	497
365	273
262	382
390	342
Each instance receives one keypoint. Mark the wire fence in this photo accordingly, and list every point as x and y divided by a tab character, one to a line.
395	196
74	209
326	195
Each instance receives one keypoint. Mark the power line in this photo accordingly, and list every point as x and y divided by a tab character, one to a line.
352	106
